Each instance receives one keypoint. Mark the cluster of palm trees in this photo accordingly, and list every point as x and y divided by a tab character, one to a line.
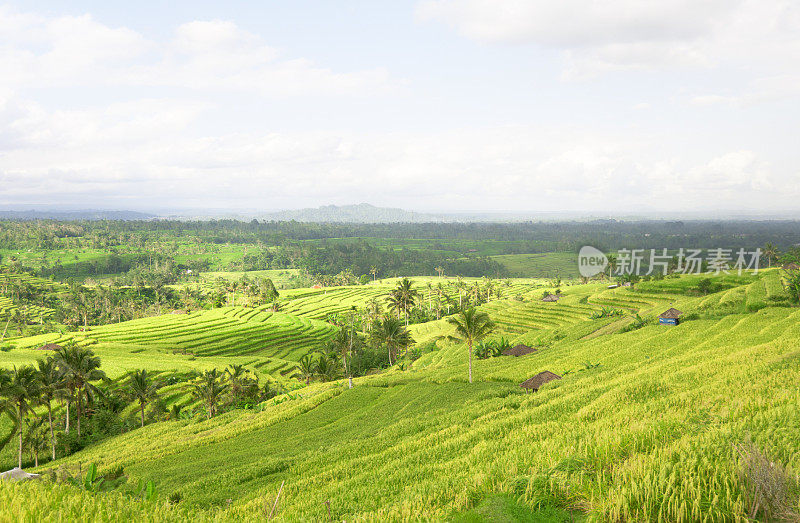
67	376
440	299
234	386
386	333
255	291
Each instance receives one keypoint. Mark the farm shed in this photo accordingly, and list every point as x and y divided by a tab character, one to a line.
50	346
536	382
551	297
519	350
670	316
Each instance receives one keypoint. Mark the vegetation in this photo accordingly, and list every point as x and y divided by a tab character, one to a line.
472	326
362	401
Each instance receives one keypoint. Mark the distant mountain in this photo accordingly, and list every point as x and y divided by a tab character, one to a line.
361	213
86	214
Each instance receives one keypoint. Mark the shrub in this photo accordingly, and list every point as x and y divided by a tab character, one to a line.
765	484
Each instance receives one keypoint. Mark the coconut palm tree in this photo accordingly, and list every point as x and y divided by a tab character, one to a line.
374	271
472	326
391	333
771	252
20	393
612	264
5	379
80	367
209	389
327	367
142	388
403	297
342	344
36	438
307	368
237	374
51	384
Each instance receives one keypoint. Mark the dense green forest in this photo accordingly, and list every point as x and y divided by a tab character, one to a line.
81	249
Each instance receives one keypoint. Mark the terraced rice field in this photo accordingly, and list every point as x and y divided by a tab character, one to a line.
35	312
641	427
231	331
620	440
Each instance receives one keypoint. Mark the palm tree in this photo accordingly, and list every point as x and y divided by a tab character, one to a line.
307	368
36	439
771	252
374	271
460	285
80	367
236	375
403	297
472	326
20	392
142	388
342	343
209	389
390	332
612	264
327	368
51	383
5	379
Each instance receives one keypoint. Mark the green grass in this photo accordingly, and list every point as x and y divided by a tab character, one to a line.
545	265
640	428
505	509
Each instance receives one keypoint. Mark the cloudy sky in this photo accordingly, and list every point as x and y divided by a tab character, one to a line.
504	105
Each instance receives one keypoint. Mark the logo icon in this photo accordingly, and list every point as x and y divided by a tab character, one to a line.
591	261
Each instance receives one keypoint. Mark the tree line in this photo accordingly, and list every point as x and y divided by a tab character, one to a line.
65	401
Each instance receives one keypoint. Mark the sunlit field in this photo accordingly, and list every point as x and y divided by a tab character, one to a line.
642	426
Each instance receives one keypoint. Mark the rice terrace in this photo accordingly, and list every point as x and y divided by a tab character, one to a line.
159	393
477	261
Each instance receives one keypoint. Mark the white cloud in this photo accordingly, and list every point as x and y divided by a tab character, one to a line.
171	126
41	52
140	154
599	37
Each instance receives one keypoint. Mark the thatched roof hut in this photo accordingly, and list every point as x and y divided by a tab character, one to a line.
50	346
519	350
17	474
670	317
551	297
536	382
671	313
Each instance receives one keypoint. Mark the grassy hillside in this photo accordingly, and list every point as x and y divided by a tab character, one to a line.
544	265
643	425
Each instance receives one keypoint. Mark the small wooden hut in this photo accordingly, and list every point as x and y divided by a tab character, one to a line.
519	350
551	297
536	382
50	346
670	316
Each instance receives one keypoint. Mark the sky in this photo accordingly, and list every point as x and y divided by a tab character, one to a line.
622	106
